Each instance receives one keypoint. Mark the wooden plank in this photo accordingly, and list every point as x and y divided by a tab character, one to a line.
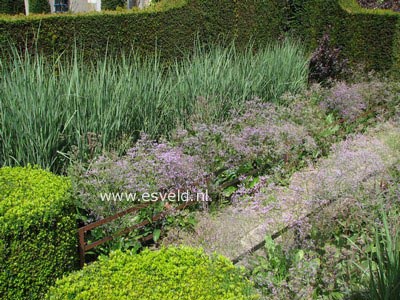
83	247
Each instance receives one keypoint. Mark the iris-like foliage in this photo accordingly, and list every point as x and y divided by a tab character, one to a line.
385	281
48	107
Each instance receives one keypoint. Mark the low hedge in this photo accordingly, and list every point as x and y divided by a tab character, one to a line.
37	232
366	36
170	26
169	273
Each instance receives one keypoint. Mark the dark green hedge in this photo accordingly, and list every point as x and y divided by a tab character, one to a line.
39	6
12	7
112	4
37	232
170	28
369	37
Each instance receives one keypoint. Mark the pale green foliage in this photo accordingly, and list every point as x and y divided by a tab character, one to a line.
48	107
169	273
37	231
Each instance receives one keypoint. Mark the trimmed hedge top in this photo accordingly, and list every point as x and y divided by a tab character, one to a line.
368	37
29	195
170	27
170	273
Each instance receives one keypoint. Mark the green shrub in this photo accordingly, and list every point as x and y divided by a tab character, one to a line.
39	6
371	37
170	273
112	4
12	7
37	231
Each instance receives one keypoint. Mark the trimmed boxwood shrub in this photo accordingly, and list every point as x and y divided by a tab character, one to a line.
37	231
169	273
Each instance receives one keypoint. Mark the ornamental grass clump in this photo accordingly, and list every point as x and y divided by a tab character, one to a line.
50	108
384	264
167	274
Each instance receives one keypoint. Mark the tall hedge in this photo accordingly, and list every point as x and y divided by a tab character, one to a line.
369	37
37	232
171	27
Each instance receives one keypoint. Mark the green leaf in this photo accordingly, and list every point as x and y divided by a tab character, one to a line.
229	191
299	256
156	234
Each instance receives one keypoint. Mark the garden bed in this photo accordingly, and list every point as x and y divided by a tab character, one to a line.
240	127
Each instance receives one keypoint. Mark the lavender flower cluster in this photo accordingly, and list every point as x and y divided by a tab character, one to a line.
260	133
352	100
148	167
346	100
355	163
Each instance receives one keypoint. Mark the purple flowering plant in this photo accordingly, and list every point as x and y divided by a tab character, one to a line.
242	158
259	137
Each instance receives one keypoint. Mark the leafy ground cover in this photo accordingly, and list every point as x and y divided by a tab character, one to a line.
359	162
269	141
